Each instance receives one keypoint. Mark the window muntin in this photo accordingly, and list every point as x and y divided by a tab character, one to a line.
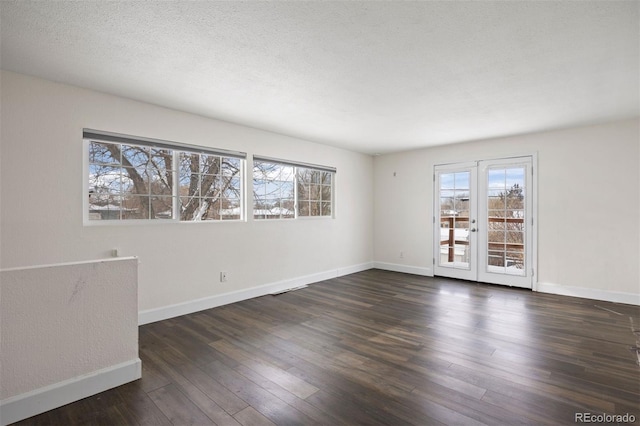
284	190
129	182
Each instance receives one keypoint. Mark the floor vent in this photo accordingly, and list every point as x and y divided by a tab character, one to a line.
288	290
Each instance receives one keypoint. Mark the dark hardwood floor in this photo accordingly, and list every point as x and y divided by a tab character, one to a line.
380	347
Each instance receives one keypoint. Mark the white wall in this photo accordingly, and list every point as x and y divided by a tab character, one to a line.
595	250
588	209
41	210
67	331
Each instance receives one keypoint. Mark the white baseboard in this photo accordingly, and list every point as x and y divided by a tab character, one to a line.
171	311
29	404
589	293
407	269
354	269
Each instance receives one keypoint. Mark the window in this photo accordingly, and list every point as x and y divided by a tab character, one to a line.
210	187
286	190
137	178
273	190
314	192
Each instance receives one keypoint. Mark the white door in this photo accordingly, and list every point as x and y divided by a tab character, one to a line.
455	220
484	221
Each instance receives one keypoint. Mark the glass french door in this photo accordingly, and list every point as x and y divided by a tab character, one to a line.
455	230
483	223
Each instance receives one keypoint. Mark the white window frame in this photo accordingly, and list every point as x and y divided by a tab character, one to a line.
297	165
90	135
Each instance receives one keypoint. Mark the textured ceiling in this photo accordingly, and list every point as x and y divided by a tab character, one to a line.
373	77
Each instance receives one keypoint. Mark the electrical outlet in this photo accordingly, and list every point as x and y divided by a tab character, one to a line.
401	255
223	276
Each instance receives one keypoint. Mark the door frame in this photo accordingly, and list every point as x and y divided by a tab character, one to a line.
533	190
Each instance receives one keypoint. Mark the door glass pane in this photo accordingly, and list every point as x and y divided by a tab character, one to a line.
462	180
454	193
506	220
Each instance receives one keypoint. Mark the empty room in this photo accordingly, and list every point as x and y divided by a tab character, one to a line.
319	213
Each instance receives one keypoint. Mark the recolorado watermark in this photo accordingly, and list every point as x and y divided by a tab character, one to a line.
604	418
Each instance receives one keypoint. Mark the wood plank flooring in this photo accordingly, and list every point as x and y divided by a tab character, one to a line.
379	348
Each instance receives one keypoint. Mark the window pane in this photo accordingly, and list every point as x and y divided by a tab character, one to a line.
496	236
326	178
497	225
286	190
496	258
231	164
162	157
287	173
231	187
209	164
303	208
461	180
134	156
210	209
189	184
315	208
303	191
187	160
105	179
314	192
259	187
209	186
188	203
304	175
447	181
104	153
515	177
161	185
326	209
263	170
230	168
514	259
162	207
514	237
104	211
135	207
496	180
230	209
137	178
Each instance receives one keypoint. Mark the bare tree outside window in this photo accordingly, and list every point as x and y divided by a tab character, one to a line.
209	187
137	182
